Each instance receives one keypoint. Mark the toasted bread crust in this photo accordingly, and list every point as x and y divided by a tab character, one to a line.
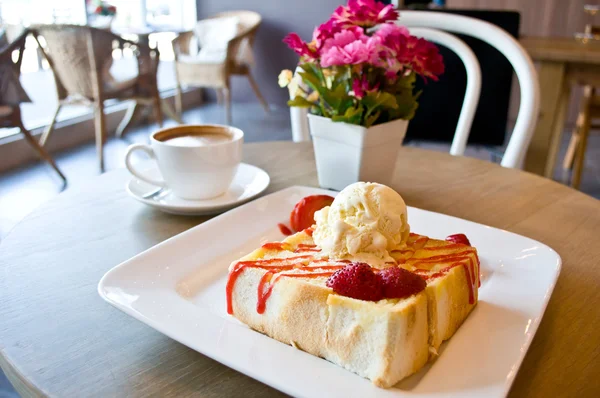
383	341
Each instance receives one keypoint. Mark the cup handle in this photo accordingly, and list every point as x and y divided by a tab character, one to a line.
136	173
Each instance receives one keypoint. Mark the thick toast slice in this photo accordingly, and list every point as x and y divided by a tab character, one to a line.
279	290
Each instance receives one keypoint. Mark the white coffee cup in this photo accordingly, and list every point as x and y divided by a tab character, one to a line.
196	161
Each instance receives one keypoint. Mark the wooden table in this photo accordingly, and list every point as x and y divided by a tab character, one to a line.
58	338
562	62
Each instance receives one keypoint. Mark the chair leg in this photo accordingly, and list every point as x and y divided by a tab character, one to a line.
178	103
571	149
168	111
579	161
157	110
50	127
219	96
262	100
127	119
43	153
227	99
100	123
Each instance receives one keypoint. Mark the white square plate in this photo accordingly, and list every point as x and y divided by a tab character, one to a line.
178	288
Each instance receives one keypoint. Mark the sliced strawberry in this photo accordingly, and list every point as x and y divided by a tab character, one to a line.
356	280
400	283
303	215
284	229
459	238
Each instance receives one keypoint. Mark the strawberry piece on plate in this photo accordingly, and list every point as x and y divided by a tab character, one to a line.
303	215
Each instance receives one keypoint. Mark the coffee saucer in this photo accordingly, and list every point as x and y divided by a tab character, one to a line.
249	182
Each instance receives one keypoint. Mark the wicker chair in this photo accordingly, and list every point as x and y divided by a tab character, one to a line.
12	96
80	59
217	75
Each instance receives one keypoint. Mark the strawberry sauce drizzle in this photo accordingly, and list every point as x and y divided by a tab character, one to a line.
275	246
455	260
303	247
277	266
264	294
280	265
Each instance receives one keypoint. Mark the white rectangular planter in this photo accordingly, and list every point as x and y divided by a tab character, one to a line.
347	153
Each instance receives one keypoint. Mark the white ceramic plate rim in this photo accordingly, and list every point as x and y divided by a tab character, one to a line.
215	328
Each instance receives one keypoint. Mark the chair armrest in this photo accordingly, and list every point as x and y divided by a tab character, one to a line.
233	44
19	42
181	43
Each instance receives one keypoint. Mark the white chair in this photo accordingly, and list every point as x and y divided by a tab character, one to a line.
473	89
226	41
516	55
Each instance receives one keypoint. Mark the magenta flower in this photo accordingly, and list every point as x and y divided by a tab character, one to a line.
323	32
391	32
392	39
360	87
400	50
349	47
299	46
421	56
365	13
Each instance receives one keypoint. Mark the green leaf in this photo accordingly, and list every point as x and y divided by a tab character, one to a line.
335	98
300	102
407	106
380	99
314	70
311	80
351	116
369	121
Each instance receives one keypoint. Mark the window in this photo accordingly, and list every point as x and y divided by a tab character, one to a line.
169	16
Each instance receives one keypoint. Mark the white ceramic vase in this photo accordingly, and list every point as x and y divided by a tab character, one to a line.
347	153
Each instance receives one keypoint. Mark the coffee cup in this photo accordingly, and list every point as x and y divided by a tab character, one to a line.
195	161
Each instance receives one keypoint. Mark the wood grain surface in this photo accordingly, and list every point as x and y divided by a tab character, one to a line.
561	49
564	64
58	338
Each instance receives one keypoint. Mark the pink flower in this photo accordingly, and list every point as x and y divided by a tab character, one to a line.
365	13
361	87
344	37
349	47
299	46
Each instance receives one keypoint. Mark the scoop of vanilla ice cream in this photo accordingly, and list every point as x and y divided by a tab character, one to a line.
365	222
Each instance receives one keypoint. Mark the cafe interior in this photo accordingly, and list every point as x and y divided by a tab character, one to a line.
147	144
